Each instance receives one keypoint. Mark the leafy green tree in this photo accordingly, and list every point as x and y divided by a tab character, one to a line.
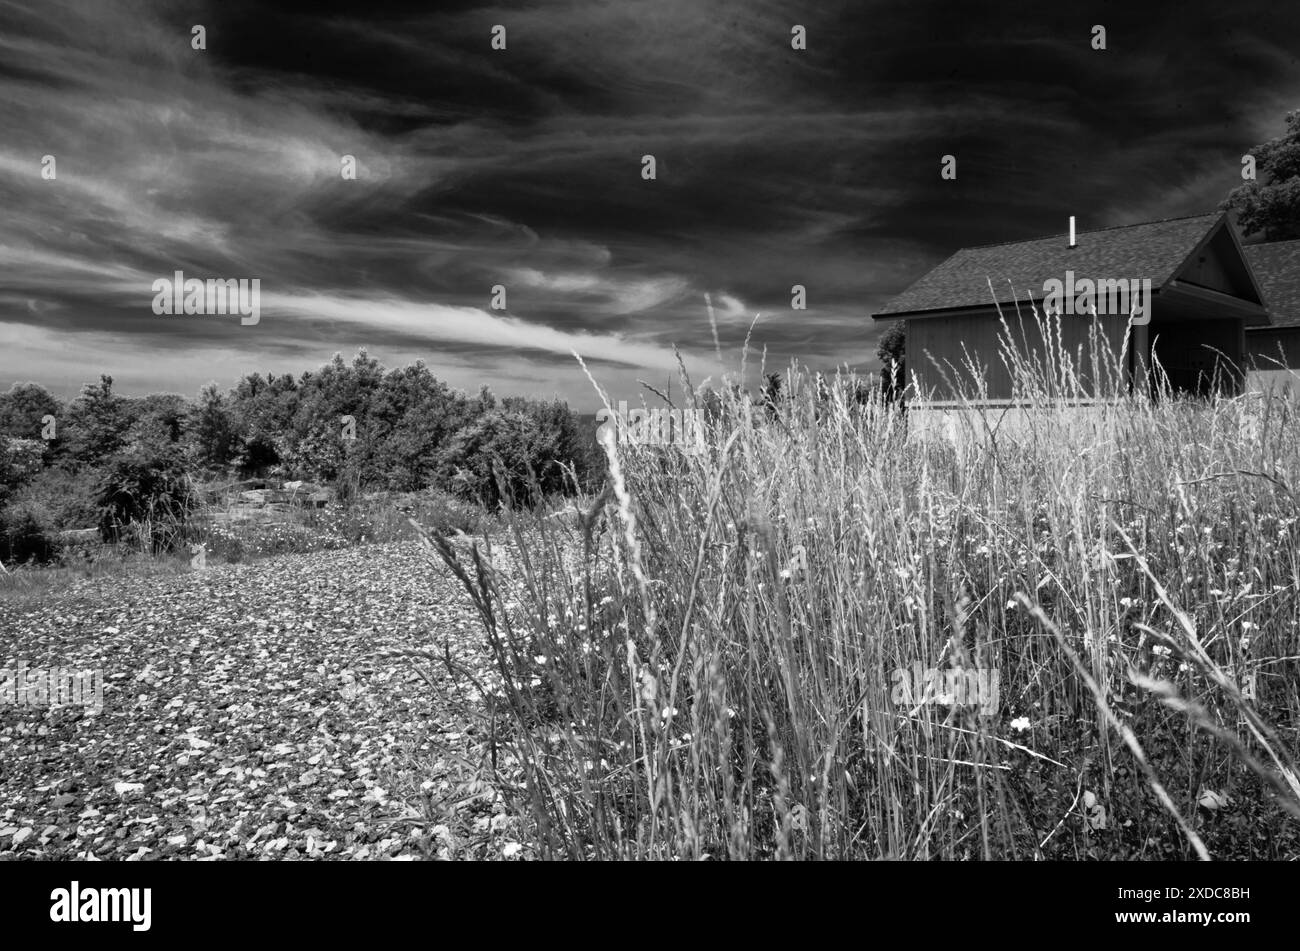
1270	205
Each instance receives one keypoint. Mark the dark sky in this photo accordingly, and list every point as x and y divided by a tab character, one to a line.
522	168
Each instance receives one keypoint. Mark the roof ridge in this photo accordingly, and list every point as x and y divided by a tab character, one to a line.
1057	234
1270	244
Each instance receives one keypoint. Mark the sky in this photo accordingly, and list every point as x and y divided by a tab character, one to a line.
523	168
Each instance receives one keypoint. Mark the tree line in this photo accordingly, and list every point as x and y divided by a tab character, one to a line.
104	458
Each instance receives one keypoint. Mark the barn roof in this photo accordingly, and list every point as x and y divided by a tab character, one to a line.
1277	268
1153	249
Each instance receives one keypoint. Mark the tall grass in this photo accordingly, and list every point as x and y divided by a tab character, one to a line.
676	678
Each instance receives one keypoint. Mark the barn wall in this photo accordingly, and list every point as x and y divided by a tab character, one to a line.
1264	347
1281	382
1080	424
955	340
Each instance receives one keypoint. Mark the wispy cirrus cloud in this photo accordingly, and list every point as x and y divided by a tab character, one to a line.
522	168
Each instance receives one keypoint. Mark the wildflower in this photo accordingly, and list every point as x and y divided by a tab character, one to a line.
540	659
1160	650
1020	724
511	849
1011	605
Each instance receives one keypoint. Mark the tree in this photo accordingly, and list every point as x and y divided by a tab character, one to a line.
412	416
24	408
157	422
1271	204
320	447
214	439
97	423
510	444
263	410
892	353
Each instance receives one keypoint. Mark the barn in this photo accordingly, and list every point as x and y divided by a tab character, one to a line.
1274	350
1203	305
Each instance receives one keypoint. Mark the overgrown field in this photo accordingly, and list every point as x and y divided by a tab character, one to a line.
840	631
719	658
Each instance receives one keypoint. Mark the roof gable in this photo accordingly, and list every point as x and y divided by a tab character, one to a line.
1156	250
1219	264
1277	268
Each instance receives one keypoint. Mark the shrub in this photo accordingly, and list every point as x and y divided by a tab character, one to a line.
20	461
145	500
69	496
504	456
27	533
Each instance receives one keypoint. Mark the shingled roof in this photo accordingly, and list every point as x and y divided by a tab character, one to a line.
1277	268
1154	250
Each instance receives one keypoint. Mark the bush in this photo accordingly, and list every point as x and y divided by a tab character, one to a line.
145	500
20	461
70	497
27	534
504	456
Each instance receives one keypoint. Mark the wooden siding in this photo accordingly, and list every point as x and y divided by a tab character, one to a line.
1264	348
1218	267
957	339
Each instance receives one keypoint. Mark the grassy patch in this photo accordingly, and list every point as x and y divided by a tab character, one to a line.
726	655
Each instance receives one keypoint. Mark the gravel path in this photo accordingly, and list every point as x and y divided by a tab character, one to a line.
248	712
